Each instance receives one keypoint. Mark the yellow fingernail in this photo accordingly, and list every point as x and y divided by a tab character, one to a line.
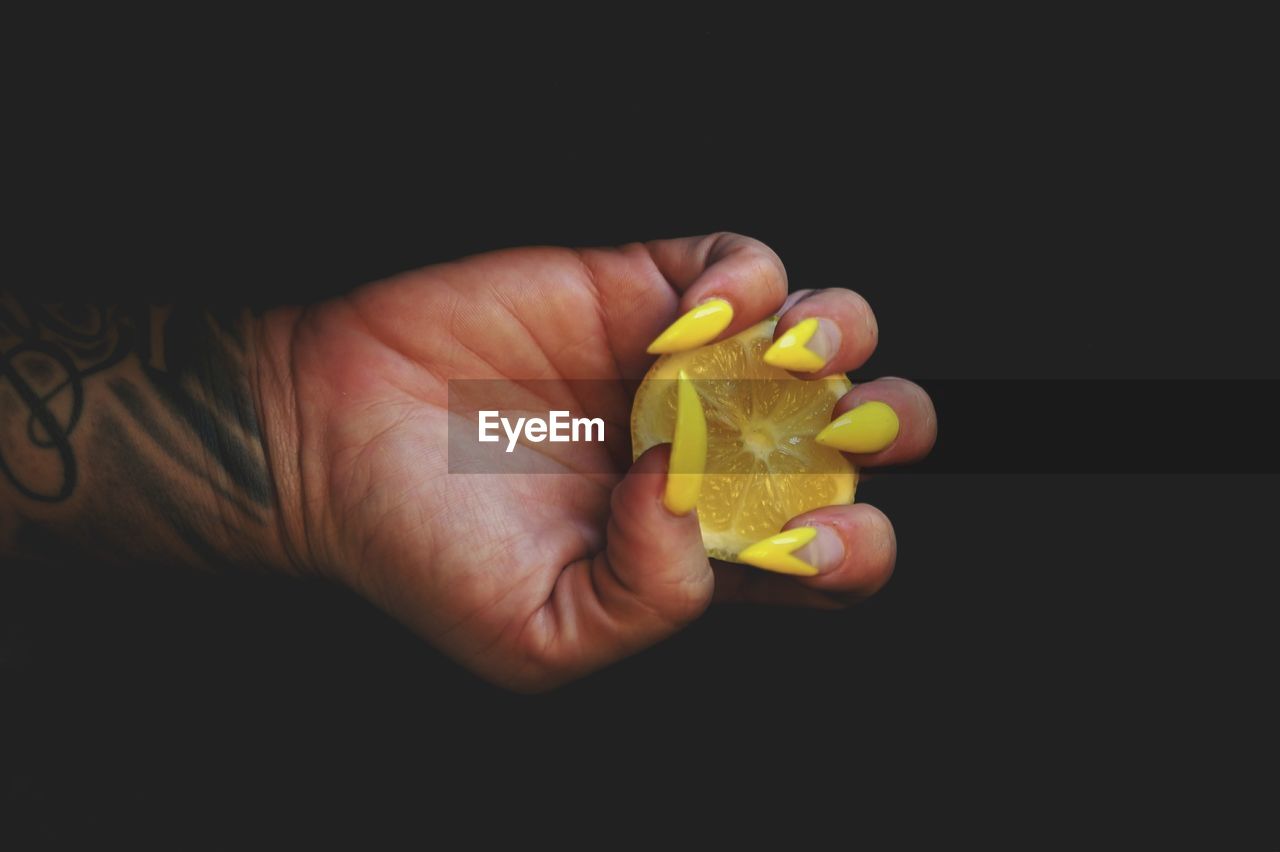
789	352
701	325
774	553
688	450
869	428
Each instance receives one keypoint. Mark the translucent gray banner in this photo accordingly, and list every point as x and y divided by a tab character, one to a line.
585	426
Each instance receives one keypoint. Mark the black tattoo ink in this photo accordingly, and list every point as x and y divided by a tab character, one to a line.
140	411
115	442
190	362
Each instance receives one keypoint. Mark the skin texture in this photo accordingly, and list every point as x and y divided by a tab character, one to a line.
313	440
531	580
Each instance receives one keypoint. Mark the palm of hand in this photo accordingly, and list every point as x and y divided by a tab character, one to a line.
469	560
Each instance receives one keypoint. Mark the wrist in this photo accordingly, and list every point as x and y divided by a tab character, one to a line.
274	391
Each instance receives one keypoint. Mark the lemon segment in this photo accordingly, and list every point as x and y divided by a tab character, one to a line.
763	466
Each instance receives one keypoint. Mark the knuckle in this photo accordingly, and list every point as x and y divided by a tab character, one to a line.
676	604
693	598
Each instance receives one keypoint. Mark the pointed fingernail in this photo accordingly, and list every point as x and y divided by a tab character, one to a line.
869	428
701	325
688	450
806	347
801	552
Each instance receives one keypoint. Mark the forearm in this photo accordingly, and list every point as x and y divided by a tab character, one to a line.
132	434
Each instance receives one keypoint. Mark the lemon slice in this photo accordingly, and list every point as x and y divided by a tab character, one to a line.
763	466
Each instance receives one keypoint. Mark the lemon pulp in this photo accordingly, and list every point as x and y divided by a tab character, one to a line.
763	466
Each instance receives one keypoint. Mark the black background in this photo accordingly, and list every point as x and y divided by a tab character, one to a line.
1070	649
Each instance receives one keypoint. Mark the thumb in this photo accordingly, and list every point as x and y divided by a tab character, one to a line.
653	553
652	578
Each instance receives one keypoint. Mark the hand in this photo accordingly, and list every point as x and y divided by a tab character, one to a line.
533	580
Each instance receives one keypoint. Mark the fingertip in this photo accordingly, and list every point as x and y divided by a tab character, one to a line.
854	550
836	324
698	326
865	427
806	347
743	272
639	501
870	427
649	471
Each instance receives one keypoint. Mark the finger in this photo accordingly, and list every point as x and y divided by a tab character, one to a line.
727	282
843	553
873	437
652	578
824	332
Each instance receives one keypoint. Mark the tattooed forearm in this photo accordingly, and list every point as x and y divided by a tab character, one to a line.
131	429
